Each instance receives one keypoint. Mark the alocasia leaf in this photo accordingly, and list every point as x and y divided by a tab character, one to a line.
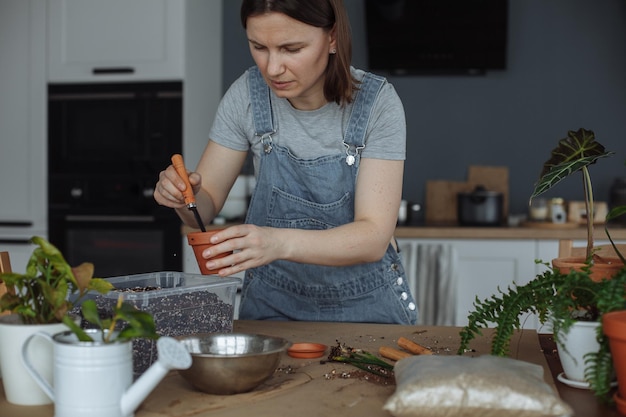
579	149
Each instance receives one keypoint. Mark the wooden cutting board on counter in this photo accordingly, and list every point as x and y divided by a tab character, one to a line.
441	195
441	203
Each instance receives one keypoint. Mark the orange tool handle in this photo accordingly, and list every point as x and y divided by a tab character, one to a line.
393	354
413	347
179	165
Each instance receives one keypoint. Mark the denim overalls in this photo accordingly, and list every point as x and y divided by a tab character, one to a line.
318	194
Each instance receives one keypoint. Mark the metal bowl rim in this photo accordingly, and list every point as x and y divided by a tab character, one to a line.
284	344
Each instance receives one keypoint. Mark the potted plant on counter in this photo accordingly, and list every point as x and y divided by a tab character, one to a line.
93	367
95	362
571	296
38	300
575	153
564	300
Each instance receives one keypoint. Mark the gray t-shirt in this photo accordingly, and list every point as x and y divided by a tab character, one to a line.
310	134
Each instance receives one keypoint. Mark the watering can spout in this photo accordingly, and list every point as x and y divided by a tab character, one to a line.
171	355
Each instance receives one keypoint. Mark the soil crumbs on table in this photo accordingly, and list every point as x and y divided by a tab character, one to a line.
363	376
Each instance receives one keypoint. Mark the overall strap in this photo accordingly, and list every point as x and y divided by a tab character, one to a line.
260	100
354	136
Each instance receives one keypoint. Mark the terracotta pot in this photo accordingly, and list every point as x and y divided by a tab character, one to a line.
614	328
199	241
599	271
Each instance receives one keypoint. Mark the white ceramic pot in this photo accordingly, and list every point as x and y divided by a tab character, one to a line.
573	345
19	387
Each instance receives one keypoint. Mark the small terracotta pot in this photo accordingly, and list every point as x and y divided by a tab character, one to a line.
614	327
199	241
599	271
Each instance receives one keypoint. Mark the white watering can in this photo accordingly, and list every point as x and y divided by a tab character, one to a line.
95	379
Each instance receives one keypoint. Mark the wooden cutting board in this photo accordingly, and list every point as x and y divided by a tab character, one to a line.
441	195
441	205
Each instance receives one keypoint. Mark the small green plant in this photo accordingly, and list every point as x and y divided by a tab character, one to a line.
50	288
126	323
46	292
574	153
562	299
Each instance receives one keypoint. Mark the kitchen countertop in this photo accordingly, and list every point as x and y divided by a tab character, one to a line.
543	231
311	387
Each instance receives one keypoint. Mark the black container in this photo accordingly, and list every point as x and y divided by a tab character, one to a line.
480	208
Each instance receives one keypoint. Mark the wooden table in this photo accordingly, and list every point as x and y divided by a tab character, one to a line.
308	387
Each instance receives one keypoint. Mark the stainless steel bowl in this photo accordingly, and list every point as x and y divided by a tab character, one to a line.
231	363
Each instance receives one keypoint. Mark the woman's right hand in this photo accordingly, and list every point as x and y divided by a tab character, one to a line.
169	189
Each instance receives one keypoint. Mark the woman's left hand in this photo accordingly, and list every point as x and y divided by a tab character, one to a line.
252	246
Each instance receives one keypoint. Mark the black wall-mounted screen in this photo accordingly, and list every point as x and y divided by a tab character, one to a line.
436	36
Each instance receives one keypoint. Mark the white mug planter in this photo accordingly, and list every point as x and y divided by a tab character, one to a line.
95	379
573	345
19	387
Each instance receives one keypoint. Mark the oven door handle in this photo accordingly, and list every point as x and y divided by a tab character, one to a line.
109	219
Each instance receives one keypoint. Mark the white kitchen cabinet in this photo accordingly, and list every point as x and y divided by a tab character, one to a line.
482	266
115	40
485	266
99	41
22	119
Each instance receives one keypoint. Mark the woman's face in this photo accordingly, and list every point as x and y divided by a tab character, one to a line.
292	57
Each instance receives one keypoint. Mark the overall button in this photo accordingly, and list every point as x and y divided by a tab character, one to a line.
404	296
399	281
412	306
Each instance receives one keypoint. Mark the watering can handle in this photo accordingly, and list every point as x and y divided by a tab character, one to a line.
171	355
45	385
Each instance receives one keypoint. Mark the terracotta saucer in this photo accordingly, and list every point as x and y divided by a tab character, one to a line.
306	350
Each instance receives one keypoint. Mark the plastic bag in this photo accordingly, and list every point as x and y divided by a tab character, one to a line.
486	386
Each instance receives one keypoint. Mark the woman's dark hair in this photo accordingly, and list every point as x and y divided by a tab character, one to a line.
339	85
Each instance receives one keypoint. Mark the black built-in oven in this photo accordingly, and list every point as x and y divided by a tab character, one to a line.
107	144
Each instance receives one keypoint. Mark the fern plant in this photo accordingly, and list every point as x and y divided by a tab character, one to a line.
558	298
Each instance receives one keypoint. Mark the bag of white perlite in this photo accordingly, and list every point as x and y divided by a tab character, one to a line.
485	386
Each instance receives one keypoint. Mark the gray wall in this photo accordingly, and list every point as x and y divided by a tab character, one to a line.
566	69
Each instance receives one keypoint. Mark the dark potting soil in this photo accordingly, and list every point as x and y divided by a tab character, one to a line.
174	315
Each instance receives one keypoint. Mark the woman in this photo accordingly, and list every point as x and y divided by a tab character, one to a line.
328	145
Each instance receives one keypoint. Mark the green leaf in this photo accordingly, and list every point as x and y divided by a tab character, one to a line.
78	331
616	212
101	285
579	149
139	323
90	312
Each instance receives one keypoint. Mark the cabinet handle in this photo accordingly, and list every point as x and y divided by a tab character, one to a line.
113	70
108	219
15	242
6	223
